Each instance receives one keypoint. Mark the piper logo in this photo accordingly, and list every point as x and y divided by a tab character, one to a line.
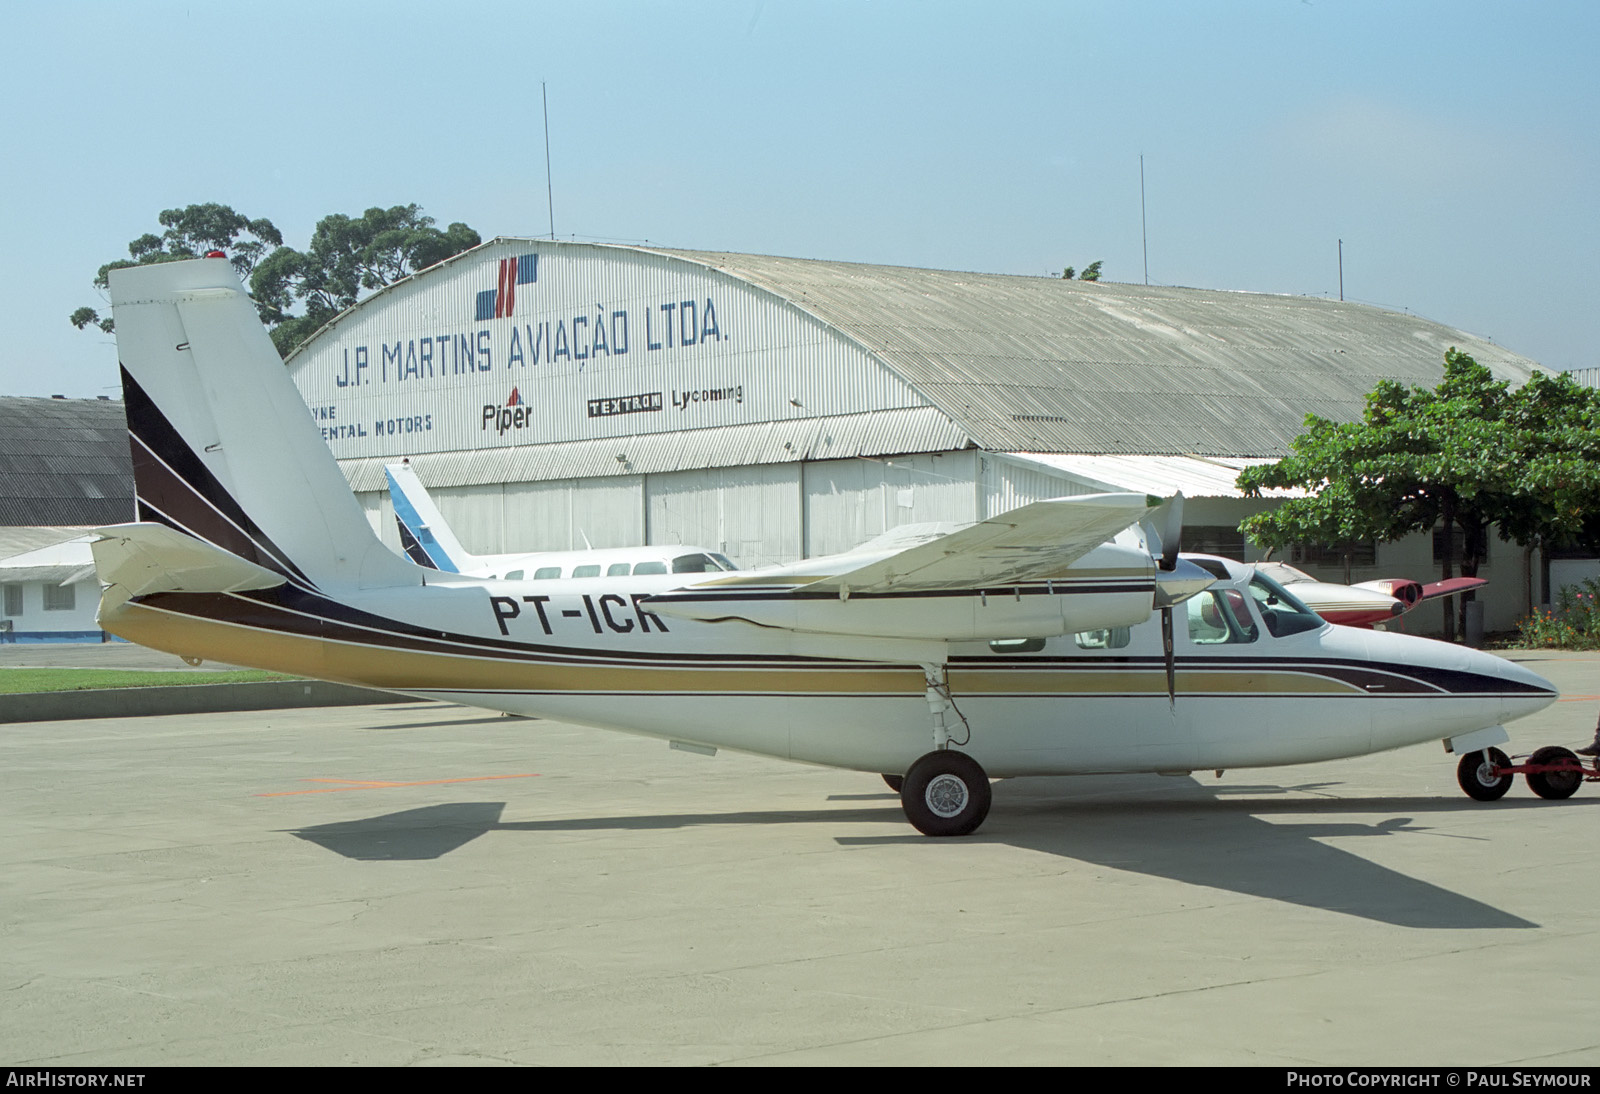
516	414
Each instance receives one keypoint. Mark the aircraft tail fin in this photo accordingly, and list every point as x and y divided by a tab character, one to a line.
224	449
424	534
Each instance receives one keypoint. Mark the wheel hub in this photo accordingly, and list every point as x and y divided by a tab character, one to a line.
947	796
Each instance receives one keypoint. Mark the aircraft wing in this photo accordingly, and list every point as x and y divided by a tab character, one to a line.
148	557
1032	543
943	589
1451	586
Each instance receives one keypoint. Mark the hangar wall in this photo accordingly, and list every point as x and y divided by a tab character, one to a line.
556	394
525	342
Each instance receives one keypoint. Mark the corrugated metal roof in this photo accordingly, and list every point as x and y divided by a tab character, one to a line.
1196	476
1042	364
64	462
22	540
887	432
1588	377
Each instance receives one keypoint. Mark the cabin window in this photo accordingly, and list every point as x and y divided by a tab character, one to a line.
13	599
1111	638
546	573
592	570
59	598
723	560
1218	617
513	575
694	564
618	569
650	568
1017	645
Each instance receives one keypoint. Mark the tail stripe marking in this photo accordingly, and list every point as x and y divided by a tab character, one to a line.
170	478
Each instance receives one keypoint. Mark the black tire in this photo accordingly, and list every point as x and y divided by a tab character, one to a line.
1555	785
1473	773
946	794
894	782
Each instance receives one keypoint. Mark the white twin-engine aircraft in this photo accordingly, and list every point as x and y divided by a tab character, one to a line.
1038	642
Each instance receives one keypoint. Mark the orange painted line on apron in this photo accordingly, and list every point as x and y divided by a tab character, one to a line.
357	784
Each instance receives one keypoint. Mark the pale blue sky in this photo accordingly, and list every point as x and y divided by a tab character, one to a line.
1453	146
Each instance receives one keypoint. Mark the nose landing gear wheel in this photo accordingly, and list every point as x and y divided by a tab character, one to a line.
894	782
945	794
1554	785
1476	775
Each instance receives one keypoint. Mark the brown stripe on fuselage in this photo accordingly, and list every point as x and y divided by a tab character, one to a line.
396	669
348	659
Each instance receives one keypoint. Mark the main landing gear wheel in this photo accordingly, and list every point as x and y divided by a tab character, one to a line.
945	794
1554	785
894	782
1476	775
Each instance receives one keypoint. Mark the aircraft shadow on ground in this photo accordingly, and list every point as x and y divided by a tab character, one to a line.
1240	839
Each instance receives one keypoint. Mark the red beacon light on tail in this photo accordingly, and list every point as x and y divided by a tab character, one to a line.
216	254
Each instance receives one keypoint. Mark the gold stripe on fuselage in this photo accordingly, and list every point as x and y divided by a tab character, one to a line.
1150	680
397	669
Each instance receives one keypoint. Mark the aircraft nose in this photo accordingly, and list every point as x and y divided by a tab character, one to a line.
1524	676
1520	690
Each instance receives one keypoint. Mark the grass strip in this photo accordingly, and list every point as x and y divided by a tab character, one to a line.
30	680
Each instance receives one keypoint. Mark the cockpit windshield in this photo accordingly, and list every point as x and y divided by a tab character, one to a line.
708	563
1281	610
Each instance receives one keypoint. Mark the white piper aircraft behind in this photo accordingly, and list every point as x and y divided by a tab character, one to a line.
429	541
1026	644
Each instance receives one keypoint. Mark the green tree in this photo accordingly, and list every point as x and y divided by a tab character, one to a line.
1091	272
348	257
1469	454
190	232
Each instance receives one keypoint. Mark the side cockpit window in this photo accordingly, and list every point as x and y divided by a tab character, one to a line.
1218	617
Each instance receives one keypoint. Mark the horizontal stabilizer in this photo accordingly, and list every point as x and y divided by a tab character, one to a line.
1031	543
151	558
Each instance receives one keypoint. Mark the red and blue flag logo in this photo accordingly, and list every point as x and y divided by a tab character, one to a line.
498	302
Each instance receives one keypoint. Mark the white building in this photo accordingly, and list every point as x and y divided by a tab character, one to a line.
48	593
551	394
64	469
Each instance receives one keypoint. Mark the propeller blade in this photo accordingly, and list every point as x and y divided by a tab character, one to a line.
1164	531
1166	649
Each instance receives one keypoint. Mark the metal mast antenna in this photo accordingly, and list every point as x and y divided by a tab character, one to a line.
1341	269
548	192
1144	237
